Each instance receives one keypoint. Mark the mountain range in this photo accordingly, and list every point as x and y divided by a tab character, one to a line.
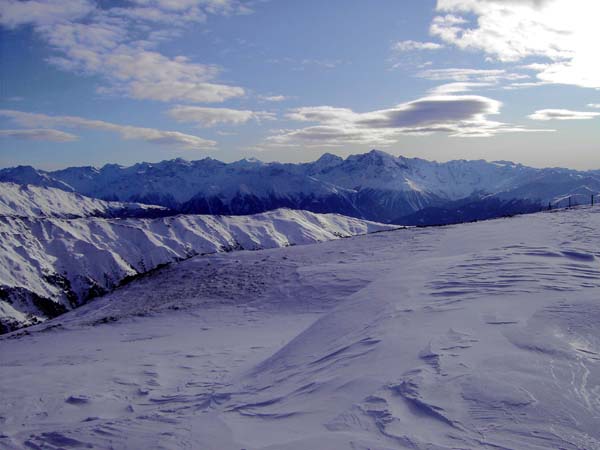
374	186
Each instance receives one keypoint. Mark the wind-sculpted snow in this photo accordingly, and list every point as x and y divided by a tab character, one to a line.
374	186
50	265
477	336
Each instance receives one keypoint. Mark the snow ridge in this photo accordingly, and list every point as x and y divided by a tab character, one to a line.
35	201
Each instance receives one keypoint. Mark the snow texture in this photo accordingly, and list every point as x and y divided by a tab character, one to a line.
475	336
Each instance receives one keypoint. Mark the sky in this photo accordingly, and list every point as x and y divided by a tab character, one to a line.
90	82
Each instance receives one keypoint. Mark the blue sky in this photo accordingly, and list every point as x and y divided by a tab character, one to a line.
88	82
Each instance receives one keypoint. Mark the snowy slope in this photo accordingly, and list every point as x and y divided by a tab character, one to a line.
477	336
49	265
374	185
35	201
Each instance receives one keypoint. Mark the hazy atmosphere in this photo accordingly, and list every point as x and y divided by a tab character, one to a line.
91	82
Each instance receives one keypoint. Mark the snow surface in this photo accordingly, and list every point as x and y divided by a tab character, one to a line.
35	201
48	265
475	336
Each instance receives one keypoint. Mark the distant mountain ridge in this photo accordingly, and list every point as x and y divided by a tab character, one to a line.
374	186
27	200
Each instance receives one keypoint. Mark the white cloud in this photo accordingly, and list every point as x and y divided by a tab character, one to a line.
103	48
562	114
470	75
307	63
39	134
119	44
226	7
159	16
457	88
458	116
528	84
594	105
125	131
274	98
562	34
14	13
409	46
208	117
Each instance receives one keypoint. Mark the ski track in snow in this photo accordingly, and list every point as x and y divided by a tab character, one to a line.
476	336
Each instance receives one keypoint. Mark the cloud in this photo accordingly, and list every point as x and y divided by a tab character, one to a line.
39	134
119	44
594	105
458	116
529	84
409	46
559	35
457	88
470	75
209	117
14	13
307	63
127	132
103	48
274	98
159	16
562	114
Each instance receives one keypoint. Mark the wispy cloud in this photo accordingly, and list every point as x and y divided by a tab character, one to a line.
594	105
209	117
119	45
457	116
457	88
39	134
132	68
274	98
14	13
561	34
306	63
410	46
128	132
460	74
562	114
